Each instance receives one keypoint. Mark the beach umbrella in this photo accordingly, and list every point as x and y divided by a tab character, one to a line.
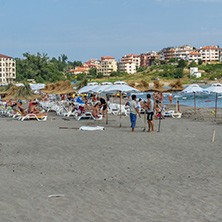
142	86
106	83
193	88
158	87
176	86
21	93
120	83
87	88
121	88
215	88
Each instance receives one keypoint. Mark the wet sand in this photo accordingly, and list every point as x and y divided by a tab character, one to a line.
111	175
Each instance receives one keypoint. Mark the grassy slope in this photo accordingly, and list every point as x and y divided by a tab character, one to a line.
150	73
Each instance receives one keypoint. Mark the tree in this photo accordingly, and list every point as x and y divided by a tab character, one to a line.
100	75
182	63
38	67
193	64
179	73
173	60
200	62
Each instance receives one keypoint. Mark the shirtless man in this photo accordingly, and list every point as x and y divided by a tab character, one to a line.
150	109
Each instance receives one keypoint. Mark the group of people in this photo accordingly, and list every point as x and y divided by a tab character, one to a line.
96	105
152	108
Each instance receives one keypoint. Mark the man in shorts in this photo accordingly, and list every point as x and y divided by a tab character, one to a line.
150	111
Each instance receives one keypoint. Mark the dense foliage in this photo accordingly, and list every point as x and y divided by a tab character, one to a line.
43	69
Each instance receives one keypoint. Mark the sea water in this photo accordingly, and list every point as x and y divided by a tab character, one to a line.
202	99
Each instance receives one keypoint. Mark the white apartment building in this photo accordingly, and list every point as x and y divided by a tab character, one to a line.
129	63
107	65
194	56
209	53
182	52
7	69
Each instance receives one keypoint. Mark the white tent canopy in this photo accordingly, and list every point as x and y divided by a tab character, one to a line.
93	84
214	88
120	83
120	88
87	89
194	88
99	89
106	83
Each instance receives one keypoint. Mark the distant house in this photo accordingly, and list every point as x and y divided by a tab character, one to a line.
194	56
194	72
78	70
129	63
7	69
107	65
147	59
209	53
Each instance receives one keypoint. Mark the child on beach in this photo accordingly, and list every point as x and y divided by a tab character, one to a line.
158	113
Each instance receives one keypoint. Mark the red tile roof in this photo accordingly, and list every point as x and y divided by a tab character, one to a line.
194	53
107	57
209	47
4	56
131	56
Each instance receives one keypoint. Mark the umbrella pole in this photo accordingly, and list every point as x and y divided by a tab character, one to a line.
194	103
106	109
216	107
120	109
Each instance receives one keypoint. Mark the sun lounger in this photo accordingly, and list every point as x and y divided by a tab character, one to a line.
176	115
87	115
28	116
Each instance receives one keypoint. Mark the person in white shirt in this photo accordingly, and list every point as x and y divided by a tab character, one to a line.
133	112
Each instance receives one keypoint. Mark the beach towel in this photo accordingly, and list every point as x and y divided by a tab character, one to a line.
91	128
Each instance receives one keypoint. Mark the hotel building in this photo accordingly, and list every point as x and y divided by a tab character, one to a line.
129	63
107	65
7	69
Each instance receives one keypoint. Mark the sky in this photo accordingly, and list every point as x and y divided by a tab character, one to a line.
85	29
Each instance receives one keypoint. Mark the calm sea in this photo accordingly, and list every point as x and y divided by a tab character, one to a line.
202	99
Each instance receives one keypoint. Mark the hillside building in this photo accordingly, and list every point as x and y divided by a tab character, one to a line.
107	65
129	63
7	69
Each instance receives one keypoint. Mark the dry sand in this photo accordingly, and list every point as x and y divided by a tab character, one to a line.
112	175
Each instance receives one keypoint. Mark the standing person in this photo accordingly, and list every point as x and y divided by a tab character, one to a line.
103	105
150	108
170	98
133	112
178	107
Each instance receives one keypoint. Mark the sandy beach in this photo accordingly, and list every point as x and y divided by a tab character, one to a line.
111	175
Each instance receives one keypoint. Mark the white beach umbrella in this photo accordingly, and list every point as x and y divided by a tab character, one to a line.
194	88
106	83
92	84
120	88
99	89
120	83
215	88
86	89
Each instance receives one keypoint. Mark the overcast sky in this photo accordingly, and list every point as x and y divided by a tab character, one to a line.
85	29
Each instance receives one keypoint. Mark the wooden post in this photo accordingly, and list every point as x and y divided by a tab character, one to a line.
106	109
216	107
194	102
120	94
